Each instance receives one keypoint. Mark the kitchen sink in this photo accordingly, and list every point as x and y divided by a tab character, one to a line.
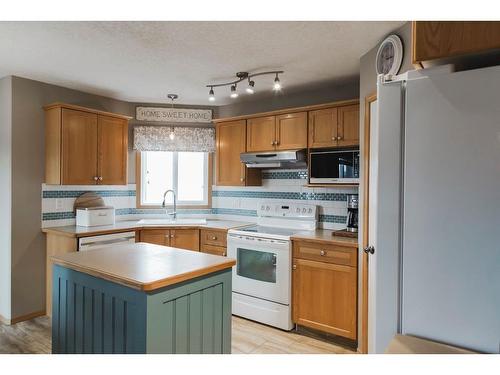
172	222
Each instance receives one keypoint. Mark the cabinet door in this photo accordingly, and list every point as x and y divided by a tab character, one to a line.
261	134
214	250
348	126
79	147
324	297
155	236
291	131
231	138
112	156
188	239
323	128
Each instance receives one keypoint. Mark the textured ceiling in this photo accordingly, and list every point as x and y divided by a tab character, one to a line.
143	61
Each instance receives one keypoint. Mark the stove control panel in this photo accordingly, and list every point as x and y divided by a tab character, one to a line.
287	210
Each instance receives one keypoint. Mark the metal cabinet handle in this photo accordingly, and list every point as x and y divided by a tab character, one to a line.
294	267
339	138
334	138
322	253
272	143
172	236
100	178
96	178
214	238
242	179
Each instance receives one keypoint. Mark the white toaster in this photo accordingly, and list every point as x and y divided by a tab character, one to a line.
93	216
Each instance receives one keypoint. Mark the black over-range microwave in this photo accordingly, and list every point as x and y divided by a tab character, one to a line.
334	166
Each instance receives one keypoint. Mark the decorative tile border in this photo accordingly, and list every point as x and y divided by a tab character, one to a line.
77	193
285	175
48	216
281	195
332	219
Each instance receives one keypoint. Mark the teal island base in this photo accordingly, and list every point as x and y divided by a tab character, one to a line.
93	315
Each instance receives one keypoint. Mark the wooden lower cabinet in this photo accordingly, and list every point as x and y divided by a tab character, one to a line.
213	241
185	239
188	239
324	297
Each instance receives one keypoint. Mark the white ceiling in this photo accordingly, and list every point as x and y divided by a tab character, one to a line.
143	61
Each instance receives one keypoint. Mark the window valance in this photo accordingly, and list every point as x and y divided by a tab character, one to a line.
167	138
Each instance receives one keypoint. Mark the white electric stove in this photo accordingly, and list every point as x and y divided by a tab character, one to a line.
263	253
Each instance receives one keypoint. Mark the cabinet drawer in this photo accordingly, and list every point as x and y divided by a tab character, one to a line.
215	250
213	237
330	253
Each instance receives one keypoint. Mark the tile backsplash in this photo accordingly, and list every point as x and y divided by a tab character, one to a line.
234	203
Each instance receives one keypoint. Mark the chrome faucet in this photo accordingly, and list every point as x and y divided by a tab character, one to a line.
174	213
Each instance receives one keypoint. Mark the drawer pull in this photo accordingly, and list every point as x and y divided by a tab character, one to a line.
294	267
322	253
214	238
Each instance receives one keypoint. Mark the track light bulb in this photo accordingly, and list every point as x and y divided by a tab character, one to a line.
250	89
211	95
234	94
277	84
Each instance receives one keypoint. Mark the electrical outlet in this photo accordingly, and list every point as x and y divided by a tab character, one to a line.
59	204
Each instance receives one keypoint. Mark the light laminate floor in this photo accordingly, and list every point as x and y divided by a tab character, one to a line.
33	337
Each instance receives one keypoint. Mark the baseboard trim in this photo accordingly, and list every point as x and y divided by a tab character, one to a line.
29	316
4	320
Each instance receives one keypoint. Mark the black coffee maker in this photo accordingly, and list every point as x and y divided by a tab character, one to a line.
352	212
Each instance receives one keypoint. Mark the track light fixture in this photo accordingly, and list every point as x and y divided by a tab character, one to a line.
250	89
234	93
277	84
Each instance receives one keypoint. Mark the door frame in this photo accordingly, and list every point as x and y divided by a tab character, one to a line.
363	345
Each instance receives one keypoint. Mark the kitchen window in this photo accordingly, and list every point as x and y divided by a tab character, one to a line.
187	173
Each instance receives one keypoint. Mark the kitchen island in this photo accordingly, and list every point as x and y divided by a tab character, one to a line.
141	298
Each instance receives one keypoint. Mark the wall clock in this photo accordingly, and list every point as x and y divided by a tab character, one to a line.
389	55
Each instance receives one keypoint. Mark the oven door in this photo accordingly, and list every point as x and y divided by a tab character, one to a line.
263	267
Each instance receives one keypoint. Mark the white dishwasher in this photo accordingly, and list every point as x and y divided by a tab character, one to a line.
105	240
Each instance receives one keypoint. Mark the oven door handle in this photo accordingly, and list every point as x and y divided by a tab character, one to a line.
274	260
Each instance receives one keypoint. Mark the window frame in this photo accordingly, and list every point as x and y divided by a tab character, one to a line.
138	183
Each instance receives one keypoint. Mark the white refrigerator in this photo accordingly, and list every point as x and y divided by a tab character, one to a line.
435	227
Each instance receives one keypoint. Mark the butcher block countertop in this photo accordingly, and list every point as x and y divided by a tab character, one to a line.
325	236
143	266
121	226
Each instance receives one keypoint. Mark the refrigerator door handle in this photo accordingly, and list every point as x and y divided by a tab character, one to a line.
369	250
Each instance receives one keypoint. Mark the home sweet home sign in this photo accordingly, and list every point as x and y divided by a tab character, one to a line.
162	114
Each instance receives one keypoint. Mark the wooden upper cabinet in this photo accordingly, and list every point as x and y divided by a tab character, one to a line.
113	150
85	146
188	239
291	131
438	39
230	143
323	128
334	127
324	297
261	134
79	147
348	126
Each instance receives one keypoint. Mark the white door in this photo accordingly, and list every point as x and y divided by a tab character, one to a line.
384	217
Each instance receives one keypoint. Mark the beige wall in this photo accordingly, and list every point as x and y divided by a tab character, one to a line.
28	164
5	194
368	86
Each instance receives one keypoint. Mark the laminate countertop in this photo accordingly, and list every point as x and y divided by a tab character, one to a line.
144	266
325	236
121	226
